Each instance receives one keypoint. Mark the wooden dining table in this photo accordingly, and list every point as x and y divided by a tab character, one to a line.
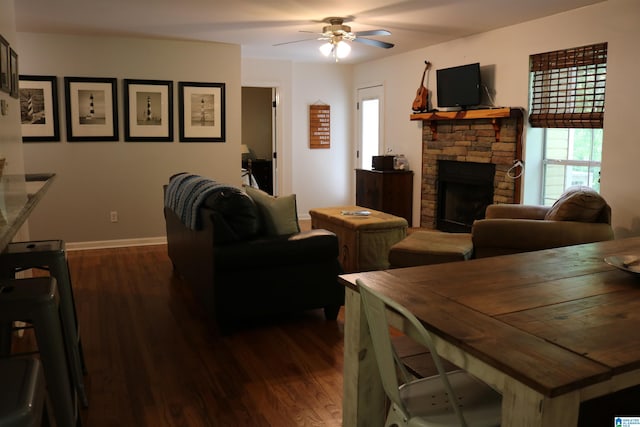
547	329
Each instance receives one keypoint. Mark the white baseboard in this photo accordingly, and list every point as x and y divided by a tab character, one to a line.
122	243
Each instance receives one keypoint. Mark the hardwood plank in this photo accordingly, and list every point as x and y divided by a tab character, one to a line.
488	285
465	114
524	296
524	356
585	326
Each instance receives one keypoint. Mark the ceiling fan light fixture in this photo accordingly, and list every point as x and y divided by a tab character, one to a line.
342	49
338	49
326	49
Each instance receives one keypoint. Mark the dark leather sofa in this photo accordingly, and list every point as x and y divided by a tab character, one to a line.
240	271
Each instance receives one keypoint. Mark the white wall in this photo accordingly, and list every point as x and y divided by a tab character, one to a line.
323	177
318	177
94	178
276	74
10	132
506	52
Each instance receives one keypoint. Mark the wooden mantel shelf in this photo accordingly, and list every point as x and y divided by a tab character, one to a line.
495	114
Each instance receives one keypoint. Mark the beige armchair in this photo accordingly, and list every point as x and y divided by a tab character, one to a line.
579	216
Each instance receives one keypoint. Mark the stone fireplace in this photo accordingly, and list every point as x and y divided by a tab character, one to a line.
492	137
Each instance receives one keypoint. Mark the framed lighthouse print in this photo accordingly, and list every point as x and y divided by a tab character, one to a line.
5	73
202	112
91	108
148	110
39	108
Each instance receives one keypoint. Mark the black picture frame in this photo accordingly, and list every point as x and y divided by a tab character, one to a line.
13	73
39	115
5	77
148	110
91	105
202	112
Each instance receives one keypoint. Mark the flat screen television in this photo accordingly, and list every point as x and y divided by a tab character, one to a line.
459	86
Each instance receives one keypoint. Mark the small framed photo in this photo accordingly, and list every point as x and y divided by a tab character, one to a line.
91	107
148	110
39	108
202	112
5	77
13	73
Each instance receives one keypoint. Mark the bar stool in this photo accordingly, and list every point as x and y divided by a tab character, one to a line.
36	300
50	255
22	393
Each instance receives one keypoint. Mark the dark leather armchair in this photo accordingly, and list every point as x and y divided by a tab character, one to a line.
240	271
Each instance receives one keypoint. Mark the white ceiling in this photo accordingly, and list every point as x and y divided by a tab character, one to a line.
259	24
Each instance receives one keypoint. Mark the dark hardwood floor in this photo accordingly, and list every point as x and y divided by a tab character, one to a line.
154	359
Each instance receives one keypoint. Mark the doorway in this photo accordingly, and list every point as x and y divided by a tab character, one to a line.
370	125
259	155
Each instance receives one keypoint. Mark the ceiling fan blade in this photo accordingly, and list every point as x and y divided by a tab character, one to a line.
372	33
375	43
296	41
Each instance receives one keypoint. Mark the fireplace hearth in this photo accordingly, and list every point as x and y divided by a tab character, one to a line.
465	189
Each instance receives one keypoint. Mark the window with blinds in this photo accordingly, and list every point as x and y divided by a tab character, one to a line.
568	87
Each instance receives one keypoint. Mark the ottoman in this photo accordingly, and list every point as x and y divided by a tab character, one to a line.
364	241
431	247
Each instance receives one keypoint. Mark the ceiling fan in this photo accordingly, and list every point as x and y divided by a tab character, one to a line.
336	35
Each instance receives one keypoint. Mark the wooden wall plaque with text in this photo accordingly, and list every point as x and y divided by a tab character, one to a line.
319	126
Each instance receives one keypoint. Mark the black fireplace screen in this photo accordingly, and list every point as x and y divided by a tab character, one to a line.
465	189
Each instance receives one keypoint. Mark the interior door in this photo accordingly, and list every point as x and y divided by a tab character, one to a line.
260	134
370	125
275	101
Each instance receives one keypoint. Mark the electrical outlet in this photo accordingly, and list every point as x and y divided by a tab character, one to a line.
114	216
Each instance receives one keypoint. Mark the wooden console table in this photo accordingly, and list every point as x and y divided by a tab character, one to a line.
19	195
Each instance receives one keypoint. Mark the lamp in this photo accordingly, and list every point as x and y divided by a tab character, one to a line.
246	153
336	47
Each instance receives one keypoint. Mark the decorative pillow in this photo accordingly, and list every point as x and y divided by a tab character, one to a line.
577	204
235	216
279	214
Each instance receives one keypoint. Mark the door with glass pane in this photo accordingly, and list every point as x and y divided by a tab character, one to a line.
370	125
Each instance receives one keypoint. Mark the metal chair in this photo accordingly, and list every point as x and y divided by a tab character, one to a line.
22	393
50	255
37	300
447	399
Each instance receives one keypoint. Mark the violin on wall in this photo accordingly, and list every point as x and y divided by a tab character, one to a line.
420	102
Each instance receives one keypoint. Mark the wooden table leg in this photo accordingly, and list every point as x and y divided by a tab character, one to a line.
524	407
363	402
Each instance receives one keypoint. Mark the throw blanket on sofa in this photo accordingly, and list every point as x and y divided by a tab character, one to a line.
187	192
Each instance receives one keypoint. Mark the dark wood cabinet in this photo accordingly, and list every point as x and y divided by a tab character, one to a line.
387	191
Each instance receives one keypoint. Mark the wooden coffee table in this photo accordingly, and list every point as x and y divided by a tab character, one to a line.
364	240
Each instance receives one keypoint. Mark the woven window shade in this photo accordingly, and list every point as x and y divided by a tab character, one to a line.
568	87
